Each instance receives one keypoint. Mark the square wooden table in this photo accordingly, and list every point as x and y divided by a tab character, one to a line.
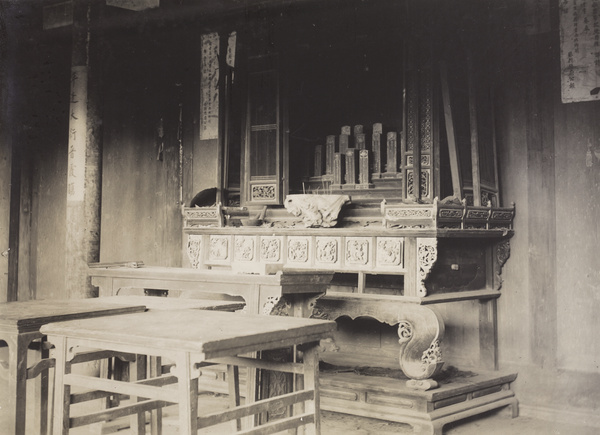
190	338
20	324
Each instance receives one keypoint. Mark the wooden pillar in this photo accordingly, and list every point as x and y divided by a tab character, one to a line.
13	60
84	158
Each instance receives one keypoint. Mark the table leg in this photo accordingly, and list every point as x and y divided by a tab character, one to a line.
136	373
233	380
311	382
155	370
62	392
187	384
45	397
17	382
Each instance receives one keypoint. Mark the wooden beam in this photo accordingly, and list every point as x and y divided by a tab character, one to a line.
457	188
474	137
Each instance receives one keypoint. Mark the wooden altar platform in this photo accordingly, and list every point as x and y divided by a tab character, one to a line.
460	395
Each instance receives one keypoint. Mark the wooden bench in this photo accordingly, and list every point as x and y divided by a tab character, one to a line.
191	338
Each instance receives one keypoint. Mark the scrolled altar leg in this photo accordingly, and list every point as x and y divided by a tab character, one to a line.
420	331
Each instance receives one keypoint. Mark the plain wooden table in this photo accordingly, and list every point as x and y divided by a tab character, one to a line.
20	324
260	292
154	367
167	303
190	338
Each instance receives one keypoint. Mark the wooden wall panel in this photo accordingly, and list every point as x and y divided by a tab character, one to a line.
4	215
514	305
47	140
577	236
141	180
541	199
548	318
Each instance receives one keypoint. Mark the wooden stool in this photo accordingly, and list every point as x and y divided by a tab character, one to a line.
20	324
192	339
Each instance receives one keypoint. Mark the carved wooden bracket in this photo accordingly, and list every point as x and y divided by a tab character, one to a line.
420	329
426	258
501	254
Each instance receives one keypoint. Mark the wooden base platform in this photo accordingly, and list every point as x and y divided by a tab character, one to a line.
427	411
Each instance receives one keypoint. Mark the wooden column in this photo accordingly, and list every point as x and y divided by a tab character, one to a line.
84	159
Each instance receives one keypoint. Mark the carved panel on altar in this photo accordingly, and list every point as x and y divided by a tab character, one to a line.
390	253
359	252
327	251
245	248
271	249
220	249
299	251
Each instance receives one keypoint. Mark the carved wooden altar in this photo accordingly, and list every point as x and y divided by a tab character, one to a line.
404	186
440	253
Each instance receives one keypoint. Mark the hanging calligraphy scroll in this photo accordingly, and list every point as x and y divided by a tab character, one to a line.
209	83
77	134
580	50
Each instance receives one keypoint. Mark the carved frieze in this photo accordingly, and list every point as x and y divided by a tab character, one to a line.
219	248
358	251
270	249
202	217
244	248
389	251
425	160
202	213
298	250
424	183
408	216
263	192
327	250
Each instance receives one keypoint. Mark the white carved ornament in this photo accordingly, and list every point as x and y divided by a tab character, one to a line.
316	210
194	249
426	258
219	248
298	250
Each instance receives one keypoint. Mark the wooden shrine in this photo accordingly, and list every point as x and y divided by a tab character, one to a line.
392	179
